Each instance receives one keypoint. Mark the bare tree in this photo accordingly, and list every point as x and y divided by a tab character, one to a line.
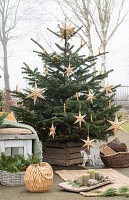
8	22
105	16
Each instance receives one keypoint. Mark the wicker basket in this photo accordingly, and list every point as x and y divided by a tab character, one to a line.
1	175
117	160
12	179
38	177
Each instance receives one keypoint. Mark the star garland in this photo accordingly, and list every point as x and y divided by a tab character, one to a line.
52	131
35	92
107	88
116	125
90	96
88	143
80	118
66	31
69	70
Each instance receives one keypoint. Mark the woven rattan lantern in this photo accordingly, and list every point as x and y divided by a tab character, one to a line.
38	177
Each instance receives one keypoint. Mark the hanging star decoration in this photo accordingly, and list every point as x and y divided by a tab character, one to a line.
107	88
69	70
116	125
88	143
35	92
80	119
52	131
66	32
90	96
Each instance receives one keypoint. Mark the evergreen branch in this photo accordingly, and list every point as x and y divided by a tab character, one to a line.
53	32
78	49
37	43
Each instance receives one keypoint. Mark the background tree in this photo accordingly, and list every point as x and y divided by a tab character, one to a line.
104	16
68	81
9	18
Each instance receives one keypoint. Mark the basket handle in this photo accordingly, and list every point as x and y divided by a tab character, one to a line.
43	174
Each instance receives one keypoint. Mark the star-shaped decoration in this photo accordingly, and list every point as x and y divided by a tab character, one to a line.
116	125
90	96
52	131
88	143
80	118
66	32
69	70
107	88
35	92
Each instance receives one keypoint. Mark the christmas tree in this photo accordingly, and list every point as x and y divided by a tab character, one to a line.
68	96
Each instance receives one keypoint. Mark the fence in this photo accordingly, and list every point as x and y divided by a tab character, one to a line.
122	96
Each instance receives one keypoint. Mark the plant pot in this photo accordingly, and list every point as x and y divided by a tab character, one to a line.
12	178
65	154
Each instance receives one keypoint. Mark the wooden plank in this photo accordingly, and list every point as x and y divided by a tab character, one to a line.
55	162
54	156
55	145
74	144
74	150
75	161
74	155
54	150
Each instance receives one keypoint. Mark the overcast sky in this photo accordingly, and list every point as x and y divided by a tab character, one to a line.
22	49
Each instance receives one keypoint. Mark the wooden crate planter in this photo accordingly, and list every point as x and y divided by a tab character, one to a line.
62	154
12	179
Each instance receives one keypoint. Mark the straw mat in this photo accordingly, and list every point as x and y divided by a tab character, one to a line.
119	180
15	131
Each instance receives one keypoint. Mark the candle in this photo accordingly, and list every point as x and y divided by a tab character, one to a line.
47	71
92	173
85	178
100	72
99	49
96	175
91	118
77	95
81	42
22	104
109	104
57	56
64	108
26	68
16	88
44	51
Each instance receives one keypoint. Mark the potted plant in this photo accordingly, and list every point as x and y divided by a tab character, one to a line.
12	168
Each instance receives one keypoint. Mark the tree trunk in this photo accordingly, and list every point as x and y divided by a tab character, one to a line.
103	58
103	62
7	96
6	74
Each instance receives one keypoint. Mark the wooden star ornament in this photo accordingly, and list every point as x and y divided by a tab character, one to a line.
35	92
88	143
80	119
116	125
107	88
69	70
52	131
66	32
90	96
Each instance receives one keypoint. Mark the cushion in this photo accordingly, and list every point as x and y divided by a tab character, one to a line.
15	131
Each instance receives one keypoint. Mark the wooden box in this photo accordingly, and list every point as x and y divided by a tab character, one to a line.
16	144
62	154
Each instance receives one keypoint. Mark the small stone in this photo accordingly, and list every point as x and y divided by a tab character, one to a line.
92	182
